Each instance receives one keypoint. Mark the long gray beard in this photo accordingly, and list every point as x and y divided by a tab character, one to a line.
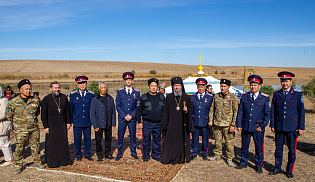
178	93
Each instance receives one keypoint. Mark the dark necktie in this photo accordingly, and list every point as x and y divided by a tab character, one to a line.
253	98
128	92
201	97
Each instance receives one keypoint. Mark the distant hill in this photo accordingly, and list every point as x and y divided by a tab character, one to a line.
67	69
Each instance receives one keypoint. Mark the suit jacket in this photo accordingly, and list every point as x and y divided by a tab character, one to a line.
287	112
80	108
126	104
253	114
201	108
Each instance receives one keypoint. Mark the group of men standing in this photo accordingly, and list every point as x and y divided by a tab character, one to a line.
173	119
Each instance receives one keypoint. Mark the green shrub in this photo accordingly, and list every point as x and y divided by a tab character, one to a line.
267	89
66	87
152	72
93	87
222	72
309	89
133	71
3	86
216	72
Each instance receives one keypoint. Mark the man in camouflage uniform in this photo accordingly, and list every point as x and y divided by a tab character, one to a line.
23	111
222	118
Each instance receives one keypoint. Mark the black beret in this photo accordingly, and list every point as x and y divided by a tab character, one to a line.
225	81
23	82
153	80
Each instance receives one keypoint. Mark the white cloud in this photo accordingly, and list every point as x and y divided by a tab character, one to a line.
55	49
289	40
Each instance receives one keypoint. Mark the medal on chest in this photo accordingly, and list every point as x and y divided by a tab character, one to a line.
177	103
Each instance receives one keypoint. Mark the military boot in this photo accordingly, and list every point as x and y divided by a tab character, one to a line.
17	171
40	166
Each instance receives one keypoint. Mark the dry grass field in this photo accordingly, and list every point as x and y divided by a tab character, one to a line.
41	71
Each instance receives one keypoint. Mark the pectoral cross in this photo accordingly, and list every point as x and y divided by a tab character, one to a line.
59	110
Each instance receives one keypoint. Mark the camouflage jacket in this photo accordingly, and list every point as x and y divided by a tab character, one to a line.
23	115
223	111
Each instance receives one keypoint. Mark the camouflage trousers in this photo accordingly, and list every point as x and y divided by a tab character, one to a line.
220	132
21	137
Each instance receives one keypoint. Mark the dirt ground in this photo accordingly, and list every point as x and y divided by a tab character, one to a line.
197	170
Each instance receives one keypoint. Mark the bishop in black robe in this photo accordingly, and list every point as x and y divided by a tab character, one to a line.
176	127
56	145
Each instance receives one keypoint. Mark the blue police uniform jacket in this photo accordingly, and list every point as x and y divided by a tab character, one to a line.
80	108
126	104
253	114
287	112
201	108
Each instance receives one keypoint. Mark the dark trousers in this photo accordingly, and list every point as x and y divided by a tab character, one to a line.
77	131
122	125
291	142
108	139
205	141
259	147
151	129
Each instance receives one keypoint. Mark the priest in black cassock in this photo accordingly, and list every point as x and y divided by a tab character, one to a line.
176	125
55	114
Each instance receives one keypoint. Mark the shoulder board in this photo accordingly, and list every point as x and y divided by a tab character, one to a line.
73	92
264	94
121	88
297	91
90	92
136	90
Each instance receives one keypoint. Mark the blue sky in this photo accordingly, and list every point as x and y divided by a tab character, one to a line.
226	32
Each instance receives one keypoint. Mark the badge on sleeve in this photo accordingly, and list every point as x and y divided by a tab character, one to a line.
138	103
302	101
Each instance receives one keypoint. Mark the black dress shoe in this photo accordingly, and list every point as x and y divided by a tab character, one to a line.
109	157
117	158
204	157
240	167
274	172
135	157
99	158
78	159
157	159
289	175
145	160
89	158
192	157
259	170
